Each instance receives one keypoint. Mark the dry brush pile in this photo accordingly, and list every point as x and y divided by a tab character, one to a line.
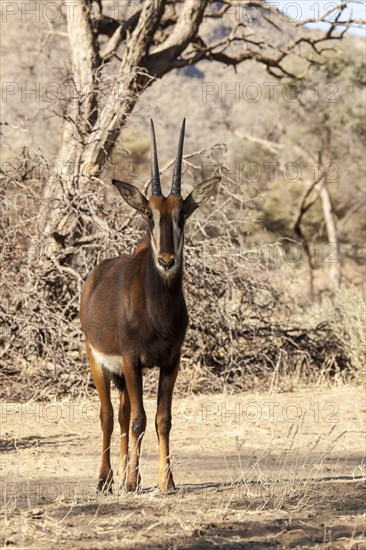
242	330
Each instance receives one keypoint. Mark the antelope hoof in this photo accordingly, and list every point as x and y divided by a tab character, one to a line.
166	484
132	487
104	486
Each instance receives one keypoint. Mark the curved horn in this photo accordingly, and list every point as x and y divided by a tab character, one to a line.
177	173
155	177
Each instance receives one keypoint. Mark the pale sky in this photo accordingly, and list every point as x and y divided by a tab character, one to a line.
304	9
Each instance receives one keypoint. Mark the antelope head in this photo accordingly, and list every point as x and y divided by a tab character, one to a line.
166	216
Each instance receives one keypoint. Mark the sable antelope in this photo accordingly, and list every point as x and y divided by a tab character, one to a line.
134	315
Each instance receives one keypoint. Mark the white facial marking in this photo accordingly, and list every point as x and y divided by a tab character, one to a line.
155	240
177	234
113	363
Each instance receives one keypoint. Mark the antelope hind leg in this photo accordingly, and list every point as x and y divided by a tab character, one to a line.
102	381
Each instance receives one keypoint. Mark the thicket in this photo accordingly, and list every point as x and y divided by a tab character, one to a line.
244	331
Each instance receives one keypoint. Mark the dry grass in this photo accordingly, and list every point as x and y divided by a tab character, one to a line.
345	312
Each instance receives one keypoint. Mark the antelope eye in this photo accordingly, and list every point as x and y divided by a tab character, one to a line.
149	214
182	218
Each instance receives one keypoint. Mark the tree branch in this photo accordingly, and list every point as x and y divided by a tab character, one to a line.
161	60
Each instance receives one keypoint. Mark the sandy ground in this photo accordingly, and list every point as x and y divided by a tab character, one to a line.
252	471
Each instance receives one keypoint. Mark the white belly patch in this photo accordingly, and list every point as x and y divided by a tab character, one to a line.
113	363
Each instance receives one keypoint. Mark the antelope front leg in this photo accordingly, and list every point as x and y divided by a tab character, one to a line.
103	384
163	423
133	376
124	422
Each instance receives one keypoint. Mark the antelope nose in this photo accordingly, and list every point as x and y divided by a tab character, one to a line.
166	264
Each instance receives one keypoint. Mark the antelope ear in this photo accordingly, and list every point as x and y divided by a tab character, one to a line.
131	195
200	194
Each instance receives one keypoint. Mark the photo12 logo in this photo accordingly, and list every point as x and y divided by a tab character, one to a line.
52	413
53	12
253	92
268	411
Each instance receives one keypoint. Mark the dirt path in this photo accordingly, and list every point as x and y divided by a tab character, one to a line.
280	470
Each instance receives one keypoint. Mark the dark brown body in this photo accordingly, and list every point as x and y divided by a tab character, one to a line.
138	314
129	310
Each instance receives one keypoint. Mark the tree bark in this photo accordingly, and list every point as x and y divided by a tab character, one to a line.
334	258
90	131
320	185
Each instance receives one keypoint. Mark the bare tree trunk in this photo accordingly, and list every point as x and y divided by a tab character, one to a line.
335	268
91	130
320	185
303	208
